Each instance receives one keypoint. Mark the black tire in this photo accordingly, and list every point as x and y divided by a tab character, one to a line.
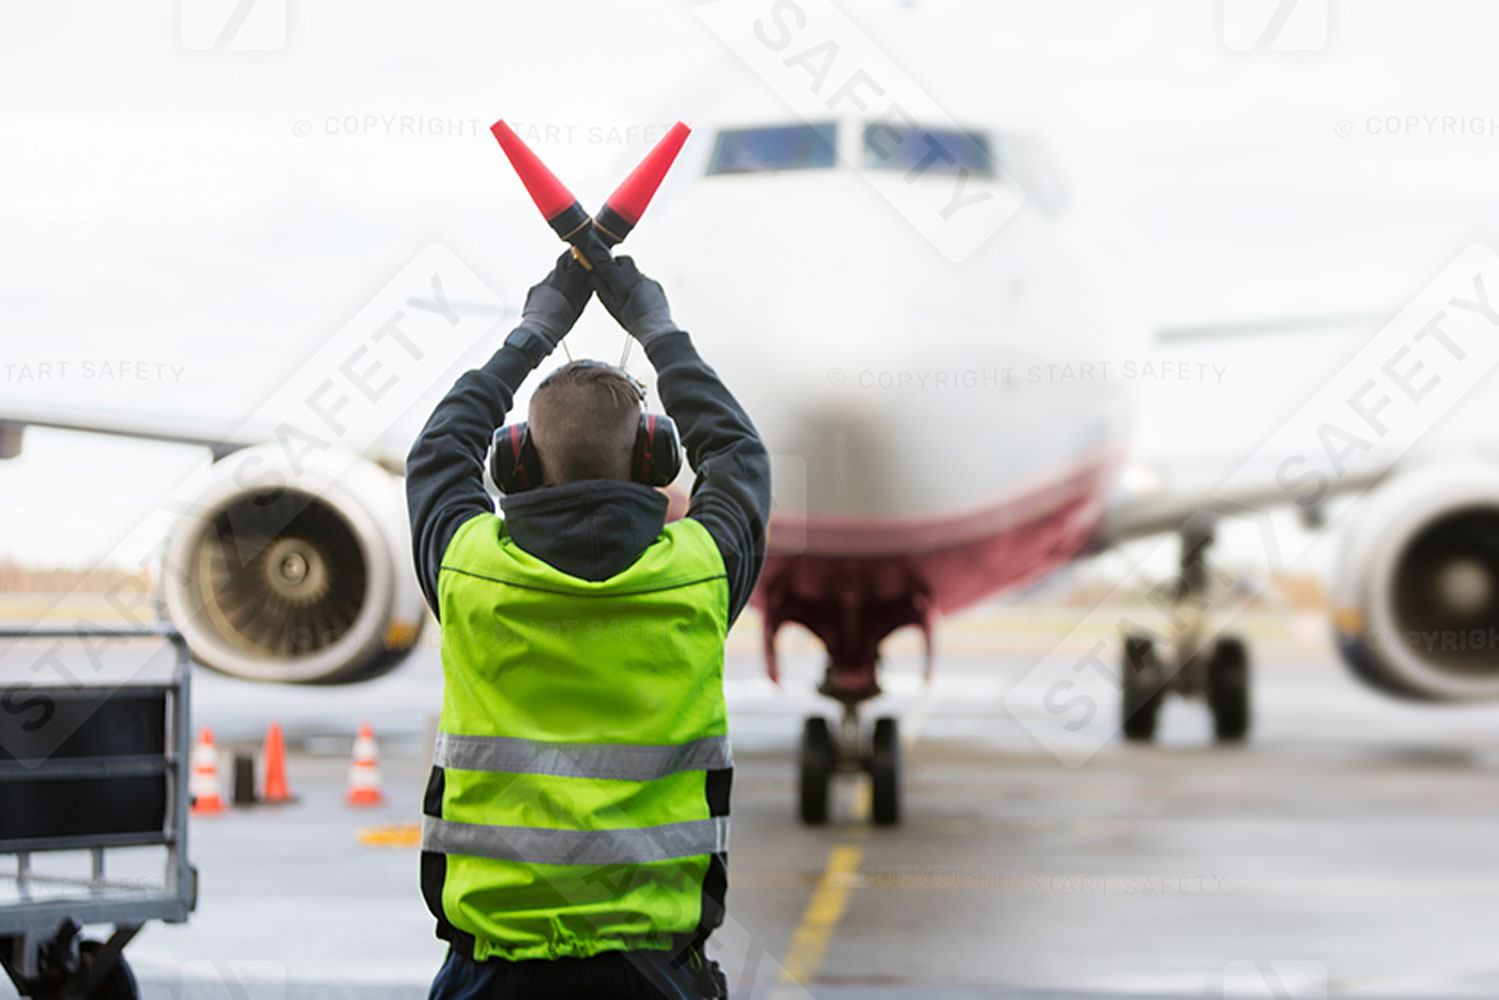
884	773
1228	689
816	770
117	984
1144	689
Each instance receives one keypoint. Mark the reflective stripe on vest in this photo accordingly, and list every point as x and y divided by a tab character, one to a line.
635	845
609	761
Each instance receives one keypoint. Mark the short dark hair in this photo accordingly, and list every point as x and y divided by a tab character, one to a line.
582	420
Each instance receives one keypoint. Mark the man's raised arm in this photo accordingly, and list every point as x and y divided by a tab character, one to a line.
731	495
445	467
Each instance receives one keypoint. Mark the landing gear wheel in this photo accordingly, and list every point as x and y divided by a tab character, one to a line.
884	773
1144	688
118	983
1228	689
816	770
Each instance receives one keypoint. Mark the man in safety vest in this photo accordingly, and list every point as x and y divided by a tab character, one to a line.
576	819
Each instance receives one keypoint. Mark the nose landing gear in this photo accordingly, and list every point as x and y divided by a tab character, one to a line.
850	751
852	621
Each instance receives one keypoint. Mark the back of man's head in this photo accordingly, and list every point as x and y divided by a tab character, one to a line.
582	420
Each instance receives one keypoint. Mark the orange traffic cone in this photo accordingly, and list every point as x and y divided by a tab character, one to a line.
203	787
276	790
364	773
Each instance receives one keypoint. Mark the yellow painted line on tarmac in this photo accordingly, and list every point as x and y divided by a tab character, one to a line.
821	916
394	835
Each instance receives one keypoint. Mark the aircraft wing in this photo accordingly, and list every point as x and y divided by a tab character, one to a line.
1161	498
1328	323
221	438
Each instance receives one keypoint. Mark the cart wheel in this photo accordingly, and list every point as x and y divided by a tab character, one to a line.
118	983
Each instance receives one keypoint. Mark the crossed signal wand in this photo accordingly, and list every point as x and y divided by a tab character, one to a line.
592	236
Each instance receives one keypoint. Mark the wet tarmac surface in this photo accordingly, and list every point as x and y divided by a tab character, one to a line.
1347	850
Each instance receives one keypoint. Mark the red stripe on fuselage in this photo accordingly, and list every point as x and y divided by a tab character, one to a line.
954	559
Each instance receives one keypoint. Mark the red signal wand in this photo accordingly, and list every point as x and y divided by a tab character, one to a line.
591	237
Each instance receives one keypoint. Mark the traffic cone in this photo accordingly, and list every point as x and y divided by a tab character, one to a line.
204	788
276	790
364	773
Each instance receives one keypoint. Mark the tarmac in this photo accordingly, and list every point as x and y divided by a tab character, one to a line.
1348	849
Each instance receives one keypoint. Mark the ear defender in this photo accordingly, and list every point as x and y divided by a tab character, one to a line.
655	460
657	457
513	463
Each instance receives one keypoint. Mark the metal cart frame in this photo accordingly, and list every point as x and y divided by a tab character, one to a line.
39	946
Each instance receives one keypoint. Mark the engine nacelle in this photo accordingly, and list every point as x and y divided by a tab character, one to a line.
294	574
1416	591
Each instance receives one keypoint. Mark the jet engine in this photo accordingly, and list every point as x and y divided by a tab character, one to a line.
1416	589
294	569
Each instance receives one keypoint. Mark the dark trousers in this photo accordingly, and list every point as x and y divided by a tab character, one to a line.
613	975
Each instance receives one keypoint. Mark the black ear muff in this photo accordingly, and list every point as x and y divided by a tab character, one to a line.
513	463
658	451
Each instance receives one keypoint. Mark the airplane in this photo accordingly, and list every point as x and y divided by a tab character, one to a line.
913	475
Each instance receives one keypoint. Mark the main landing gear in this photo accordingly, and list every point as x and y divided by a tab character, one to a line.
1188	665
824	754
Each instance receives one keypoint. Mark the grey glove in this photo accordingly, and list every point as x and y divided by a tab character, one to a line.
636	302
554	305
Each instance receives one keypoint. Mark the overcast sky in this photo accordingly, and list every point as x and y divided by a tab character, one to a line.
178	228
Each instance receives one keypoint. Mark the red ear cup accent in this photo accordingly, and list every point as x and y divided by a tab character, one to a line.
650	433
658	452
513	463
518	454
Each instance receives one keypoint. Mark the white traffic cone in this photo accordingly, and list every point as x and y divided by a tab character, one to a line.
204	787
364	773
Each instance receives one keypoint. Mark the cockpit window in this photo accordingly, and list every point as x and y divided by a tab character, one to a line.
927	150
778	147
